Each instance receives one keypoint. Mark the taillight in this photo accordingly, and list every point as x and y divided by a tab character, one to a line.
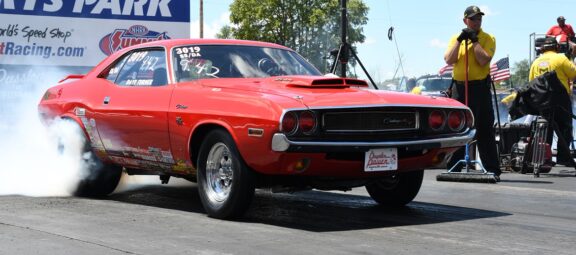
456	120
289	123
307	122
436	120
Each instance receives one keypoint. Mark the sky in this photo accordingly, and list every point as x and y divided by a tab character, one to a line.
423	28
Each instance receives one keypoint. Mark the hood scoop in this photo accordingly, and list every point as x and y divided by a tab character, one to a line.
318	82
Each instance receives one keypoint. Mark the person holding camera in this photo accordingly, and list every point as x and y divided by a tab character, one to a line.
551	60
480	49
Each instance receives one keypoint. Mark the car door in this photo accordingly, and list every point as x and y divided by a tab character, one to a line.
132	118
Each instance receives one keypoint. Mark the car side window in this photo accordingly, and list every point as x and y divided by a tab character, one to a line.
143	68
113	72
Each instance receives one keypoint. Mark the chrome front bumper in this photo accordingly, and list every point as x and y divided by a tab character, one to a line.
280	143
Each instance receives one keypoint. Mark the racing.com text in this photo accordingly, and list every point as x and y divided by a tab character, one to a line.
10	48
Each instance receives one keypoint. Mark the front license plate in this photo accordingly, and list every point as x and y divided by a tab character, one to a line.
385	159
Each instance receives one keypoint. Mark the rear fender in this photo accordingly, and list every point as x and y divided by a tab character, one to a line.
72	117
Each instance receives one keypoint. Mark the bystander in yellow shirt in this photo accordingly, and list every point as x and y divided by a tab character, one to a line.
476	71
550	60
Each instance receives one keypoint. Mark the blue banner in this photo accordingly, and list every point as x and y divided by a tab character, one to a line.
152	10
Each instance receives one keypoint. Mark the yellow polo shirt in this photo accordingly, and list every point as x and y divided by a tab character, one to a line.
550	60
475	71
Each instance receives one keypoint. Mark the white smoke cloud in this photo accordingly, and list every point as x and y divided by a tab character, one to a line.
30	163
42	160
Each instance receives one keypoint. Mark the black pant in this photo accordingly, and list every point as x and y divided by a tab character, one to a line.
480	102
561	114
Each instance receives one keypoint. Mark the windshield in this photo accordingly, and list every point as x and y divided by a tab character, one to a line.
231	61
434	84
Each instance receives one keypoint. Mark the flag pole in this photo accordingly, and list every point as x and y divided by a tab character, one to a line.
511	85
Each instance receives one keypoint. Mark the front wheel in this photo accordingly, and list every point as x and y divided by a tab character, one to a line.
396	190
225	183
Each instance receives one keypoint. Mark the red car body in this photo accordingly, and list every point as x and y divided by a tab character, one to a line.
334	123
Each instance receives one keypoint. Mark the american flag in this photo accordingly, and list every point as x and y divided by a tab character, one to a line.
500	70
446	69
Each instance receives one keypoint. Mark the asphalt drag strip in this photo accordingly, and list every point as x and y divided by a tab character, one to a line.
520	215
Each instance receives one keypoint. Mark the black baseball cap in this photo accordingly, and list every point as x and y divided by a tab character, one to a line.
560	18
550	41
472	11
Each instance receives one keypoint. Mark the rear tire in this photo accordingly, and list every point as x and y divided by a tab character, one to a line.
225	183
101	179
98	178
397	190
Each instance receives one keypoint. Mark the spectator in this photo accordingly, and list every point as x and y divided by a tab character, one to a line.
564	34
562	30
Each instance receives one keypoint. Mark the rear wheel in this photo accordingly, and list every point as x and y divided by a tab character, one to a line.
397	190
98	179
225	183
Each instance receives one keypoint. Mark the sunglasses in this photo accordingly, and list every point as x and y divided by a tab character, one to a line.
477	18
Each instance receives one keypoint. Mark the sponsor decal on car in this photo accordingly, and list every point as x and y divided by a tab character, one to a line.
122	38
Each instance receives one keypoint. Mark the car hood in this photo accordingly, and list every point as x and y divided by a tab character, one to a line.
319	91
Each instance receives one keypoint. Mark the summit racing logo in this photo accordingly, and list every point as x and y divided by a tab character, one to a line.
122	38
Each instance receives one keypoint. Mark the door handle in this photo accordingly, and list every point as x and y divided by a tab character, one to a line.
106	100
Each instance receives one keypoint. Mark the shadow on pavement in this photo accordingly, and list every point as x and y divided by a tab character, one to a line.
183	198
315	211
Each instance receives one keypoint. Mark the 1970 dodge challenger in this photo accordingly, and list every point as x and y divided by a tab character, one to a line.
237	115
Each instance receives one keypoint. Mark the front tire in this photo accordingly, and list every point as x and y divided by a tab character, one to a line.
225	183
397	190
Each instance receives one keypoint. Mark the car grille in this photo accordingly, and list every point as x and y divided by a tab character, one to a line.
372	121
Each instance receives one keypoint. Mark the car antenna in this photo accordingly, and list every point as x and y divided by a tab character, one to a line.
342	55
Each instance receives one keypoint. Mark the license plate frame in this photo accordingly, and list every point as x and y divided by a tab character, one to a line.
381	159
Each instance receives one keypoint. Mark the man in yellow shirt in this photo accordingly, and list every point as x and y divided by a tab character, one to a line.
481	48
550	60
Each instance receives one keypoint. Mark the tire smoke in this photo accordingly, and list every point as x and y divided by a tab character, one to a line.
39	160
30	161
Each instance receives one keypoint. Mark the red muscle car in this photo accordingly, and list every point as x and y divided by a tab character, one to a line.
237	115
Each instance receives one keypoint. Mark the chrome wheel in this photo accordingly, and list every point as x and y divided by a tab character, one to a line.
219	173
225	183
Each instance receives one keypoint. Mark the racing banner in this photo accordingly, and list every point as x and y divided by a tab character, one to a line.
83	32
41	41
